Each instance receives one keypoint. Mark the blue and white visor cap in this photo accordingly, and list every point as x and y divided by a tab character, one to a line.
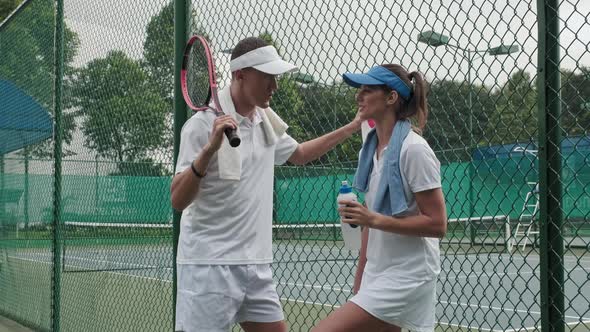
379	75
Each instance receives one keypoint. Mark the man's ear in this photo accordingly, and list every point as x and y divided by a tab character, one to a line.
238	74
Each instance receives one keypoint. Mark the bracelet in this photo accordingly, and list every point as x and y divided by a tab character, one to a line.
195	172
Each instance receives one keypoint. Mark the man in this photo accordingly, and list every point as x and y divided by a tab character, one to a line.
226	195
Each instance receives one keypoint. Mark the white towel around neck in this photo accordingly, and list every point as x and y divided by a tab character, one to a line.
228	158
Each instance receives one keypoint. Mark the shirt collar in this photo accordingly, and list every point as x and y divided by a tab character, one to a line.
256	118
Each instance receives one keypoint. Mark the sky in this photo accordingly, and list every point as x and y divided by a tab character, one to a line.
328	38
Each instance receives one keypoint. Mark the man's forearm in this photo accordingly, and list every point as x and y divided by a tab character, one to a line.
185	185
315	148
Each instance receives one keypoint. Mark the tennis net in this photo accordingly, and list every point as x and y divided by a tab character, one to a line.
130	246
477	235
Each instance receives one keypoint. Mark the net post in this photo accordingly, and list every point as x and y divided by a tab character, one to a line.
471	230
507	235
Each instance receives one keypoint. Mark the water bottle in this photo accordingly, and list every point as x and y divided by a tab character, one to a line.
350	233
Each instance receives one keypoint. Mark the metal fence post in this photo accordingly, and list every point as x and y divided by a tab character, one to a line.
180	115
549	108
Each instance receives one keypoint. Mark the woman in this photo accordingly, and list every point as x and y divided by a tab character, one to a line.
395	284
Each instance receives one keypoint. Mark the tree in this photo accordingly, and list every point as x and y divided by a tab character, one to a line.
515	116
575	96
28	60
315	109
286	101
6	7
142	167
327	108
450	130
158	50
124	115
28	50
267	37
311	110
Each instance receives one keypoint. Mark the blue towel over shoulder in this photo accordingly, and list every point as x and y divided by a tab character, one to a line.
390	198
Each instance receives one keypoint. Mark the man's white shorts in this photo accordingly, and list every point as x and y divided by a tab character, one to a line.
409	304
212	298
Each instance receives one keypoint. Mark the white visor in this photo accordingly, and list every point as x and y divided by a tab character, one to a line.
266	59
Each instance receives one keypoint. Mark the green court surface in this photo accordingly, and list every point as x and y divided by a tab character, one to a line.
118	286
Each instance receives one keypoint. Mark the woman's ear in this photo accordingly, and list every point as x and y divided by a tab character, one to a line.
392	97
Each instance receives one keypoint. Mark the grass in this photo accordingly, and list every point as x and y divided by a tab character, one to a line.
101	302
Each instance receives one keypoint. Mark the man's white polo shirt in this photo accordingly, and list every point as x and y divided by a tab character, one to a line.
230	222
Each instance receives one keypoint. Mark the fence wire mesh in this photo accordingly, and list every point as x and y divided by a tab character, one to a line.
26	99
113	235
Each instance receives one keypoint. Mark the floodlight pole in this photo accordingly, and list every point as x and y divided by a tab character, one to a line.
435	39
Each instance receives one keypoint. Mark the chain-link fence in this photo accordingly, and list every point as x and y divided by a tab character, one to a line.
87	125
102	261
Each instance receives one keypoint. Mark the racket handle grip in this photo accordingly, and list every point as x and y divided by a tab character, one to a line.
232	136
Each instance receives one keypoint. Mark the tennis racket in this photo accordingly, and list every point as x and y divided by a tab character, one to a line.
199	81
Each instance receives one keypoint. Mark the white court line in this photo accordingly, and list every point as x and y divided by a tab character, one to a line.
117	263
308	248
335	306
330	287
456	277
479	306
584	320
479	328
440	301
525	329
479	274
108	272
96	248
568	258
514	258
336	252
318	260
333	251
507	258
538	328
106	261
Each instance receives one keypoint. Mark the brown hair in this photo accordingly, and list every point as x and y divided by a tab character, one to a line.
246	45
416	106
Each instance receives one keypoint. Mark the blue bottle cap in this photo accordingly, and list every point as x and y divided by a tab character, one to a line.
345	188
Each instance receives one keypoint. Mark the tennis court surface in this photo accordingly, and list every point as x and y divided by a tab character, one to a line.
125	272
